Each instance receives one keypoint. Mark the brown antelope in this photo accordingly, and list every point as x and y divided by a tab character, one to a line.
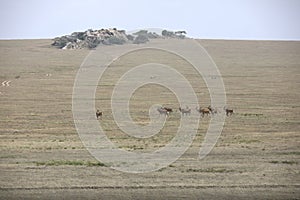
98	114
185	111
203	111
168	109
228	111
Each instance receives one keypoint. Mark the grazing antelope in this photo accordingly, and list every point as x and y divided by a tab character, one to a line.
163	111
98	114
203	111
185	111
228	111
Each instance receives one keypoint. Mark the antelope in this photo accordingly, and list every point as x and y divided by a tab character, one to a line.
228	111
98	114
203	111
185	111
168	109
212	110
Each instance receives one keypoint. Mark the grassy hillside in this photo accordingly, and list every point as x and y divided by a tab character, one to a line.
257	155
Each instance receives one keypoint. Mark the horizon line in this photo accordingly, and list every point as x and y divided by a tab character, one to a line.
204	38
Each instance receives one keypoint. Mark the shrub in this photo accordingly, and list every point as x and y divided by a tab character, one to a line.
140	39
116	40
168	33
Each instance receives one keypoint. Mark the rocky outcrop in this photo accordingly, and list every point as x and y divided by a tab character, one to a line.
92	38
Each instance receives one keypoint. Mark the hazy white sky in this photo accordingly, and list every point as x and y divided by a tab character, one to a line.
224	19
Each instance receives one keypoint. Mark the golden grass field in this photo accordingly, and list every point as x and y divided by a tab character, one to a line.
256	157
